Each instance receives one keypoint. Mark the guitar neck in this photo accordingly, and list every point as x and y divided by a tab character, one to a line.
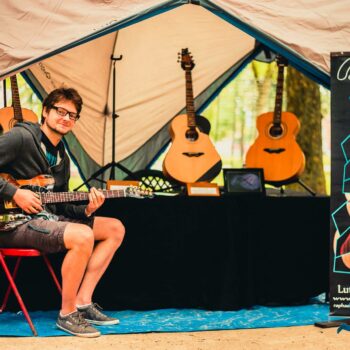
279	96
191	120
16	103
60	197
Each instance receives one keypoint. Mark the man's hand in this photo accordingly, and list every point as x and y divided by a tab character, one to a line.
96	199
28	200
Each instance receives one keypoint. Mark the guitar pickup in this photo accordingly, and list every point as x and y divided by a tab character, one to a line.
274	150
193	154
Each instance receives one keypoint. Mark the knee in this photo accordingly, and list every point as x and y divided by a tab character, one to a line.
116	232
83	239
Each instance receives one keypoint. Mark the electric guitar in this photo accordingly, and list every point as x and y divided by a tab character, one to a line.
11	215
192	157
9	116
275	149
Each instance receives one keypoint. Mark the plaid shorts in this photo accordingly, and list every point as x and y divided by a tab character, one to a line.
40	234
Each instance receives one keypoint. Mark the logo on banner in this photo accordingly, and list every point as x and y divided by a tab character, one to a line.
343	72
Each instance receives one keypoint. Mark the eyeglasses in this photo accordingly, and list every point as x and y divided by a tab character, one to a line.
62	112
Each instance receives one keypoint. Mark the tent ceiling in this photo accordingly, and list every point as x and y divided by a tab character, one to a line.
150	84
34	29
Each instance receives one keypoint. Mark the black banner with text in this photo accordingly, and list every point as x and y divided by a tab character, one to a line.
340	185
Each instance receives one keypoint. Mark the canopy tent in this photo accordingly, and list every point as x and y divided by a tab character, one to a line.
45	39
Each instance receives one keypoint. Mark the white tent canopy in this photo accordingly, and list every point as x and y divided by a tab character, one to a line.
45	38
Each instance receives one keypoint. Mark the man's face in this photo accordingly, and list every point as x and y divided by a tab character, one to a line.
55	119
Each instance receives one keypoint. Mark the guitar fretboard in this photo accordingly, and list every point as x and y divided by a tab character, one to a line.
16	102
279	96
189	100
60	197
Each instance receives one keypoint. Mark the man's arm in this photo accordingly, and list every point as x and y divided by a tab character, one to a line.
10	148
10	145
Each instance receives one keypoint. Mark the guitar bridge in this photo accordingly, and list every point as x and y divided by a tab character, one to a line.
193	154
274	150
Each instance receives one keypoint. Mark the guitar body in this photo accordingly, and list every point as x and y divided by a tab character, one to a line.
38	183
7	119
189	161
280	156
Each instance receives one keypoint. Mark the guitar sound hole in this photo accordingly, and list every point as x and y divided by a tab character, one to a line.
191	135
276	131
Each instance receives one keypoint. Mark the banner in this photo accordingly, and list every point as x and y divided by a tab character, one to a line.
340	185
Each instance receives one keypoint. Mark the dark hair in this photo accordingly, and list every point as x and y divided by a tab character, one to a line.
63	94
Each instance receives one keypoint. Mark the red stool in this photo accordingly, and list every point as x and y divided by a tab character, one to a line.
19	254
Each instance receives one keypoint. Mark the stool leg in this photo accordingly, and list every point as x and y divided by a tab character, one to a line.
8	291
52	272
18	296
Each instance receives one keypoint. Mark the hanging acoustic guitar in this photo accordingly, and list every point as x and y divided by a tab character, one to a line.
275	149
9	116
192	157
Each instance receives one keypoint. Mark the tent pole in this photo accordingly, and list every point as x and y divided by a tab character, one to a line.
114	116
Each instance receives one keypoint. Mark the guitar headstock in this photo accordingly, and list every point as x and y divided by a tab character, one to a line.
136	192
186	60
281	61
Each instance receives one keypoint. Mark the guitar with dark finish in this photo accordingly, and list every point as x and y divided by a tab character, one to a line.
11	215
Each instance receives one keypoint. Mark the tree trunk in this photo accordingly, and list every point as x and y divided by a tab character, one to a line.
304	100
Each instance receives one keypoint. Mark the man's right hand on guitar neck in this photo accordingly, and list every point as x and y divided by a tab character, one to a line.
28	200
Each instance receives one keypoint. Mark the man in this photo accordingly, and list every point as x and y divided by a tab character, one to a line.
29	150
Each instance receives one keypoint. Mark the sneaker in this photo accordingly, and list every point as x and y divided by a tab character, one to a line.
76	324
93	315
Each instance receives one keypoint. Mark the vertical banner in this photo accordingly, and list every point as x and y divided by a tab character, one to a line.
340	185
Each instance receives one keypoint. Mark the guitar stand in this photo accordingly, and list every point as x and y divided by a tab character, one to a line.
306	187
300	182
113	164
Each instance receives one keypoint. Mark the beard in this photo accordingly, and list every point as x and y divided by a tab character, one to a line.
56	129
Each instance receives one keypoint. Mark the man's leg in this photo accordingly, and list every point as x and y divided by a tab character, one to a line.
79	240
109	233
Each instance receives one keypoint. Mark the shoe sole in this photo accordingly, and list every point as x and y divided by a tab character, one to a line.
83	335
102	323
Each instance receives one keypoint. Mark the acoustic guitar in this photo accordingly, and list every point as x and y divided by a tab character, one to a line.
11	215
275	149
192	157
9	116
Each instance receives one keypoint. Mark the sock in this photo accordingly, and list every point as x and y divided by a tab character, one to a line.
67	314
83	306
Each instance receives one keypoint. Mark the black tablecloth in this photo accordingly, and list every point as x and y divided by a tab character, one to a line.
221	253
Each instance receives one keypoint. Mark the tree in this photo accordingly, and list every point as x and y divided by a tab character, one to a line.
304	100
